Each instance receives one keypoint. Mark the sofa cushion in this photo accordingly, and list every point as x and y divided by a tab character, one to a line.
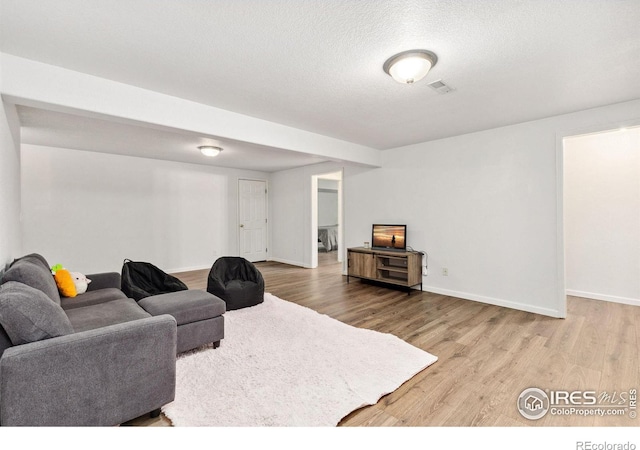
104	314
103	280
5	342
91	298
28	315
34	258
185	306
34	274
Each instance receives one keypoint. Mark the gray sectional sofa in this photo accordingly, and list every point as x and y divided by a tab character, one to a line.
96	359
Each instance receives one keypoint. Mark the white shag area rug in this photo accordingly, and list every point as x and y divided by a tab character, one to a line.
281	364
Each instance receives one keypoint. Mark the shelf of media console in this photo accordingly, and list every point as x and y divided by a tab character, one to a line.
399	268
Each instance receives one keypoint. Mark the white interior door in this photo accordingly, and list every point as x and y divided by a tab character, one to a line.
252	218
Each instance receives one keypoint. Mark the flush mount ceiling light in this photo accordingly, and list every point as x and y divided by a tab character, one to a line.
210	150
410	66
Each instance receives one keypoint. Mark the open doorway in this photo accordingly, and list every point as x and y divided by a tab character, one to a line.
327	222
601	215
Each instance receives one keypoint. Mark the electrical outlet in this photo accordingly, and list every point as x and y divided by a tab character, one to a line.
445	272
425	271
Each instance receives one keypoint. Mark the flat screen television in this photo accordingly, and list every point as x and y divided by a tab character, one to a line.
389	237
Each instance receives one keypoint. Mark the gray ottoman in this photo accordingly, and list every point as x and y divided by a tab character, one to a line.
198	313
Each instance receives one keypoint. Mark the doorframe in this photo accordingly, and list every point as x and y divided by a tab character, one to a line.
314	216
561	274
266	205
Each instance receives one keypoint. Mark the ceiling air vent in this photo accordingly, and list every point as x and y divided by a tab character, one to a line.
440	87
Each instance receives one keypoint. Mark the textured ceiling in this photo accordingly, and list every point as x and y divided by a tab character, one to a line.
317	65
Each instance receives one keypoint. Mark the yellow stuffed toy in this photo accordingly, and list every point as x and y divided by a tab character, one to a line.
65	283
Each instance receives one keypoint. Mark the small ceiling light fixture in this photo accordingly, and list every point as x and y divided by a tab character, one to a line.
410	66
210	150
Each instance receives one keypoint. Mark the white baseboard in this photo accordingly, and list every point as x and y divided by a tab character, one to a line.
189	269
291	263
496	301
604	297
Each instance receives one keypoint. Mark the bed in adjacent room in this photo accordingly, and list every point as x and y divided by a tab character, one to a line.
328	237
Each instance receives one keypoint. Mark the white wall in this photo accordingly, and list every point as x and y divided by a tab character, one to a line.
10	236
484	205
481	205
89	211
487	206
327	202
290	209
602	215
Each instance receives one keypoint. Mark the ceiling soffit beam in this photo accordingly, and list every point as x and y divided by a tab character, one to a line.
34	83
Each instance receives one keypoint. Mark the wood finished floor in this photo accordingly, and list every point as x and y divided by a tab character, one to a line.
487	354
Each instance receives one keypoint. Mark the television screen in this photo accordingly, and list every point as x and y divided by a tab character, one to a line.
389	236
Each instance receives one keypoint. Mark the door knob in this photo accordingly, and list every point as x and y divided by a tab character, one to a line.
241	225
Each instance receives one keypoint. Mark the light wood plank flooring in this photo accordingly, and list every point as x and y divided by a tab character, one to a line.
487	354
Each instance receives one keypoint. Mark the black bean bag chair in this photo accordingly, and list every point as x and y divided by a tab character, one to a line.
236	281
143	279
